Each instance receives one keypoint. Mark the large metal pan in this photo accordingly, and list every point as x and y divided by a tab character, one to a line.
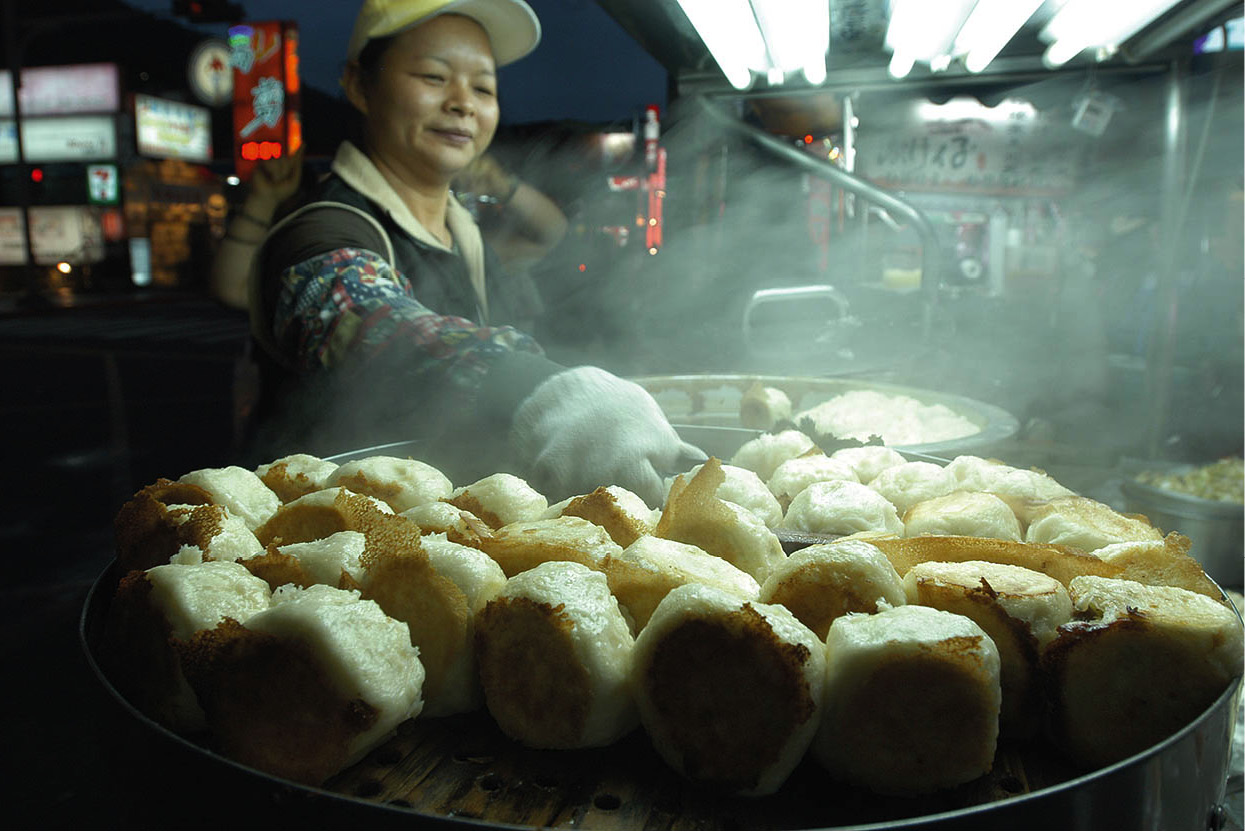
705	409
461	772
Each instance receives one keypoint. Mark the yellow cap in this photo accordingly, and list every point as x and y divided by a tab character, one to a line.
512	27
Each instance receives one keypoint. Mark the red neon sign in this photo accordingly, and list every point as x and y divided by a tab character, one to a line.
265	92
254	151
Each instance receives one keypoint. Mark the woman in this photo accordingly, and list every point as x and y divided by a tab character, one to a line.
374	300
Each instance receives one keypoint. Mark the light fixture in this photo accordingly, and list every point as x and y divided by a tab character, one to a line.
774	38
923	30
1081	24
989	27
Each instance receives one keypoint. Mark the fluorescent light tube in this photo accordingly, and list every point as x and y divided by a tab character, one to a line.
1102	23
729	32
989	27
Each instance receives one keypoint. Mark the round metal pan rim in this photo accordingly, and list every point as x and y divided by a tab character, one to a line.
995	423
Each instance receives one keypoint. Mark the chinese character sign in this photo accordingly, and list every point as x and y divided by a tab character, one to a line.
265	92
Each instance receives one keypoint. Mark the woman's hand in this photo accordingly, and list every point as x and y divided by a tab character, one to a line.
585	427
274	181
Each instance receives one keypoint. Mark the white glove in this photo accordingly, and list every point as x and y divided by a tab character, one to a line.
584	427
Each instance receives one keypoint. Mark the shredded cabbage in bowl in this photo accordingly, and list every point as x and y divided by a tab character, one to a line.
1223	480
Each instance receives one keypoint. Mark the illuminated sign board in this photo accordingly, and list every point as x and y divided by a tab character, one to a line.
60	139
62	90
172	130
102	184
266	123
59	232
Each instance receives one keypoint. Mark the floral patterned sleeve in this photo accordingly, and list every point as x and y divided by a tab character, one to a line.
349	304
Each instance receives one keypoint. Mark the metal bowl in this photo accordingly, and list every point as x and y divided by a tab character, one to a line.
707	407
1214	526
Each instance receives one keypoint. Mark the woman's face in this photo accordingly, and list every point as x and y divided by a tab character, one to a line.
431	106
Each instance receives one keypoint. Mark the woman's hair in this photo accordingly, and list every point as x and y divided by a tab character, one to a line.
369	63
370	59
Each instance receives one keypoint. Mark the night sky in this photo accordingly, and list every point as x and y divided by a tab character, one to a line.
585	69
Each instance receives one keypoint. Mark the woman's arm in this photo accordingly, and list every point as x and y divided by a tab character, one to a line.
272	183
530	224
349	305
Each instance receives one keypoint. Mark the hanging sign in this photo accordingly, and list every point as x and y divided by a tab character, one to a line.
102	184
266	125
210	72
63	90
172	130
60	139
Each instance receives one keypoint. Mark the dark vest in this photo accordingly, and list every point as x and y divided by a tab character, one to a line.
322	412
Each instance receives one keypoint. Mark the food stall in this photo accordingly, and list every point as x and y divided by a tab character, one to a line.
918	234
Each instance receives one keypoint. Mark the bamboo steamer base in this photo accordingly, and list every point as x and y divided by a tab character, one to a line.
464	769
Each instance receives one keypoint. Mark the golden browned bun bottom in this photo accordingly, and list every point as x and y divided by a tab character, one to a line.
535	686
936	717
728	694
147	536
269	703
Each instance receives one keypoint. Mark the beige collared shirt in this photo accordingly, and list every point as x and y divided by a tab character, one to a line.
357	171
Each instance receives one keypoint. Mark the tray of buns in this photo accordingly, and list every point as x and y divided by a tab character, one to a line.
725	410
792	639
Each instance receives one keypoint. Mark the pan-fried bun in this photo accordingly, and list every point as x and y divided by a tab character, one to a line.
308	686
1059	562
1163	562
457	524
210	533
694	514
1019	609
744	488
166	602
795	475
143	530
1138	664
402	483
839	507
869	460
555	656
912	482
325	560
318	515
622	513
518	547
237	489
729	690
296	475
975	514
479	579
1085	524
650	567
500	499
911	701
762	407
821	582
762	454
972	473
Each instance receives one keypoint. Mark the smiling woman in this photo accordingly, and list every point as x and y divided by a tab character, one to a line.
374	301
